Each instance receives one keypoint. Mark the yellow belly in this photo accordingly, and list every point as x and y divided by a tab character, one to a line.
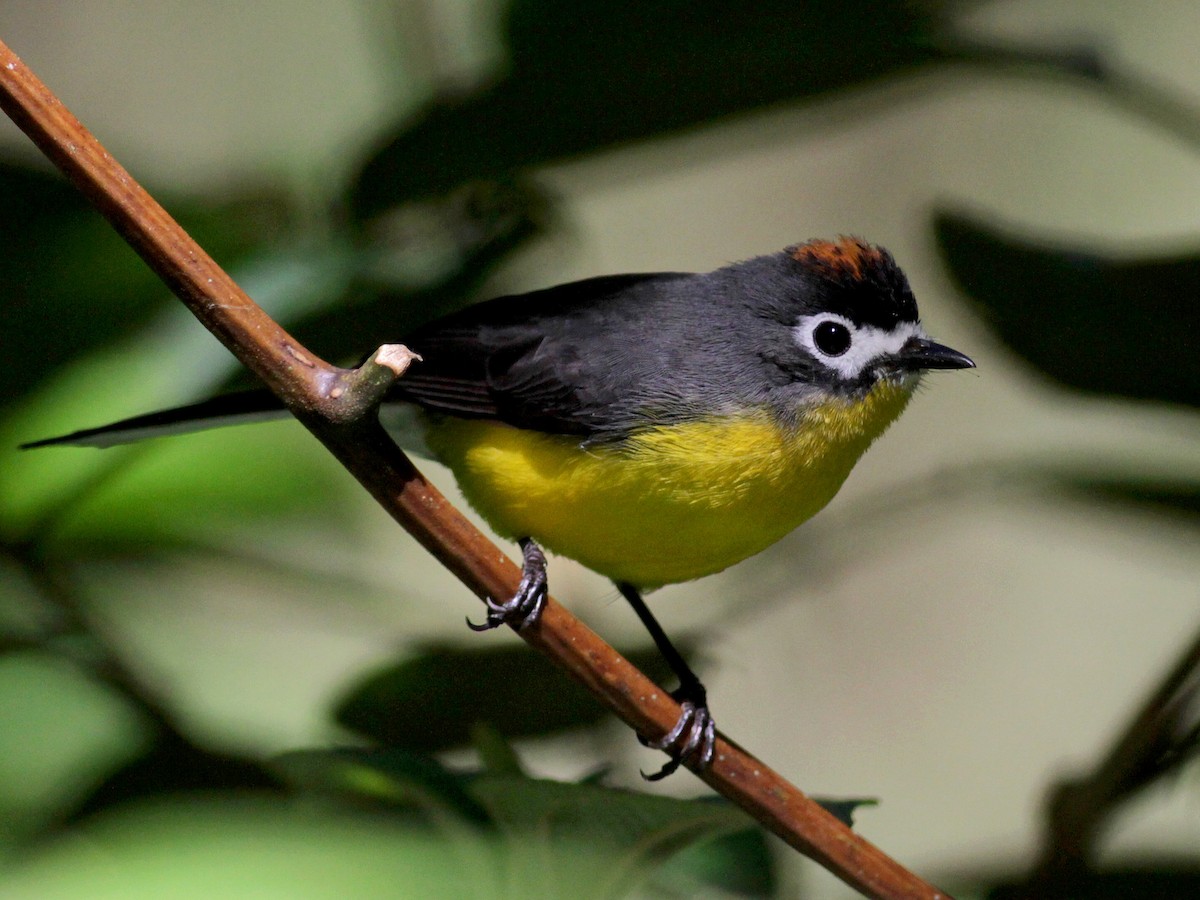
671	503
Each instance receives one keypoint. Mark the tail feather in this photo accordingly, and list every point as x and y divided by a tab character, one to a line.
228	409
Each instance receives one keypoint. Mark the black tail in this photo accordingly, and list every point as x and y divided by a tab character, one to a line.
228	409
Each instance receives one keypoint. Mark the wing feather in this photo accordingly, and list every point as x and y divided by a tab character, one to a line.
524	360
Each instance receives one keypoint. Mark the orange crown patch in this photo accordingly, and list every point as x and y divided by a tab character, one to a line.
845	257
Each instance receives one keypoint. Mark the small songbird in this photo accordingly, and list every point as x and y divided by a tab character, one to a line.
656	427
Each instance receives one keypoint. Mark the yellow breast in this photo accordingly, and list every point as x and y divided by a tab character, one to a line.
671	503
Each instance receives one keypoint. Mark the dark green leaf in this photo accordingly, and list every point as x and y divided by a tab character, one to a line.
62	733
1175	498
497	755
236	845
561	839
737	864
194	486
1180	498
844	810
1098	322
432	702
624	836
394	777
175	765
71	284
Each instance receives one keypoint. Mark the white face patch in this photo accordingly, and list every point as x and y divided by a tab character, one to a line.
849	349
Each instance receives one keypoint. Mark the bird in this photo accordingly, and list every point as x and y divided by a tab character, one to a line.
658	427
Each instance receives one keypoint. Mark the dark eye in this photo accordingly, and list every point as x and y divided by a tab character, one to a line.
831	338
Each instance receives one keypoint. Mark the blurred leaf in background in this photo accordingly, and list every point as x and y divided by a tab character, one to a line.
582	77
544	825
420	704
1124	326
1121	325
71	284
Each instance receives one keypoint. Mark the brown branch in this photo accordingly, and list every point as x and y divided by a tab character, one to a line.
327	400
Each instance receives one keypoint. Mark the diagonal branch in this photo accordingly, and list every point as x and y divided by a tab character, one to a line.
336	405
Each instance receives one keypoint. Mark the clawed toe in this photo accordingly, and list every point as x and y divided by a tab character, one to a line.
693	737
525	606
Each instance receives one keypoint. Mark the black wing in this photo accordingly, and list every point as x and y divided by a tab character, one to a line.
541	361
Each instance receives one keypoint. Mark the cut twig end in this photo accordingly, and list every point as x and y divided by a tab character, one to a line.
358	391
396	357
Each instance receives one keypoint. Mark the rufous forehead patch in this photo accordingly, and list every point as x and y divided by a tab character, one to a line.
846	256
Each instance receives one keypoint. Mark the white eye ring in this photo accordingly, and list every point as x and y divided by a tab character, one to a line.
866	346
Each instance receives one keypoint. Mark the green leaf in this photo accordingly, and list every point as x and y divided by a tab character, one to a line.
737	865
61	734
561	839
627	835
69	282
389	776
174	765
433	701
553	840
124	492
1093	321
495	752
1179	498
196	486
229	845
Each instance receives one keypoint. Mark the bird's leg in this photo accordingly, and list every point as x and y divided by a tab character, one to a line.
694	735
525	606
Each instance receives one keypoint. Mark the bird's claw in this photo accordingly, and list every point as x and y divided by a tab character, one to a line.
525	606
693	737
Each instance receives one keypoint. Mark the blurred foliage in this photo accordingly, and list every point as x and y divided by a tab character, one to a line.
1122	326
65	265
628	835
366	825
1169	879
591	75
587	75
95	754
526	696
1119	325
1182	497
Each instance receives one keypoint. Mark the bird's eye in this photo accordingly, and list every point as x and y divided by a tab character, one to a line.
831	338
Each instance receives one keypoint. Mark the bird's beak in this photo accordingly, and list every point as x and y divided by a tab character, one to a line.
919	354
